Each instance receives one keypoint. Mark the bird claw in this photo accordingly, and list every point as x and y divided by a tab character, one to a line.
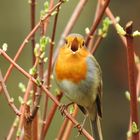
63	107
80	128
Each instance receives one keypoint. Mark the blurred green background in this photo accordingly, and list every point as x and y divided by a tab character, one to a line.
15	25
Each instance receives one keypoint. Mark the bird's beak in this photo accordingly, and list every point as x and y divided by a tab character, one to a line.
74	45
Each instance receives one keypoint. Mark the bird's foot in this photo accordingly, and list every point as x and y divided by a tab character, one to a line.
63	107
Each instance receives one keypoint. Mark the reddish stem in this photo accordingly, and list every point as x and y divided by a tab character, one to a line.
62	129
70	125
96	45
23	107
131	78
51	115
6	93
35	121
98	19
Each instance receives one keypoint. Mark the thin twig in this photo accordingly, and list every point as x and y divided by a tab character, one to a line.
32	11
70	125
97	43
62	129
131	79
51	115
84	132
92	40
94	26
13	129
23	107
8	98
27	125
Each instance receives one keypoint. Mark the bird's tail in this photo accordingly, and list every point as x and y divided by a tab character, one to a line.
96	128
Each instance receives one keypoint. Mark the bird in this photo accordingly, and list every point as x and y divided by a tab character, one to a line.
78	74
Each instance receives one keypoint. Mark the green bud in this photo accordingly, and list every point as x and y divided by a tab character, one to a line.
11	100
54	13
36	50
22	87
32	71
134	128
87	30
45	59
29	102
4	47
129	134
137	59
43	42
71	109
136	33
18	134
117	19
105	26
65	0
139	99
127	94
42	14
42	55
38	81
46	6
16	122
120	29
21	100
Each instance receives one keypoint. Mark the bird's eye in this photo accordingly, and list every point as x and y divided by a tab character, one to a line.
83	43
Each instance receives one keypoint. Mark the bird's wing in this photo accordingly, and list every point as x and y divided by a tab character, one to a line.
100	86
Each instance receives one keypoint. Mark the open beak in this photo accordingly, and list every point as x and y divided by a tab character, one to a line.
74	45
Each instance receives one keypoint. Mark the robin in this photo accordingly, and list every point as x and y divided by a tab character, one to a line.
78	75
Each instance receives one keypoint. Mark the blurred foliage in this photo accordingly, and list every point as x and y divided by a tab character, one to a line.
15	25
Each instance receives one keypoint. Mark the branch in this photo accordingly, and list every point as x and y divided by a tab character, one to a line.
51	115
70	125
131	79
98	19
8	98
23	108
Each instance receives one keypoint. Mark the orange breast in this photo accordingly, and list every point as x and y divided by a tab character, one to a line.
70	66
